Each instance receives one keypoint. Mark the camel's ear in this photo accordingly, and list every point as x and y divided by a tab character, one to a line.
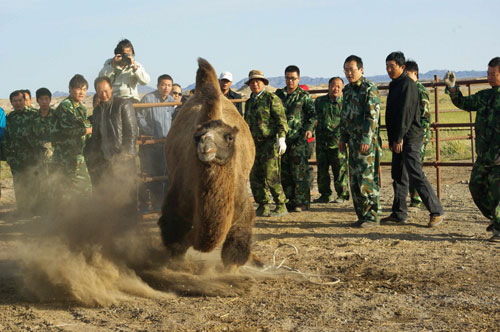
235	130
205	75
208	89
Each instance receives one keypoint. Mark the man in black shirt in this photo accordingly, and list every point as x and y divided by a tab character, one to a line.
405	134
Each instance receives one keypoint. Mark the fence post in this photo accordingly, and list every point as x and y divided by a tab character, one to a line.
438	146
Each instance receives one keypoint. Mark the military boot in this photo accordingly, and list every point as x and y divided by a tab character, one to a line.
279	211
263	210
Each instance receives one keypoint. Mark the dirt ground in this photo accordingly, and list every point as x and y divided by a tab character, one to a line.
391	278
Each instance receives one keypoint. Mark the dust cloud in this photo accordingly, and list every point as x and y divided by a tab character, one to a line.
86	250
94	251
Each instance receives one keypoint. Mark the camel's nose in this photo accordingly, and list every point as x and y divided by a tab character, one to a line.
207	148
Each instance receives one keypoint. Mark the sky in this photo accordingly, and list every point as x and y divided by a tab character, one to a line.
44	43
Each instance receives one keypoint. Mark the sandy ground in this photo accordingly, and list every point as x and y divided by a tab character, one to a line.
392	278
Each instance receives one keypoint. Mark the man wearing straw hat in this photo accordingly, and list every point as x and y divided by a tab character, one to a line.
266	118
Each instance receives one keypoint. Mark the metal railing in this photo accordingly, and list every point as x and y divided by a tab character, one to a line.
435	127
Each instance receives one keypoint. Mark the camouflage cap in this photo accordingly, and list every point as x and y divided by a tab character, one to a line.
256	74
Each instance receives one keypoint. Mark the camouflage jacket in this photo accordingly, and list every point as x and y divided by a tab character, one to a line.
425	106
328	115
68	125
265	116
299	110
18	143
42	126
360	117
487	105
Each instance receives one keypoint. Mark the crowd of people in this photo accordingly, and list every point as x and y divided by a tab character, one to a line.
46	143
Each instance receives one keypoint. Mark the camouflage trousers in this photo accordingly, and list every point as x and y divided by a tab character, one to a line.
484	187
265	177
337	160
415	198
69	173
27	190
365	181
295	173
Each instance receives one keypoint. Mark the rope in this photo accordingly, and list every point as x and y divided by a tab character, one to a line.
278	268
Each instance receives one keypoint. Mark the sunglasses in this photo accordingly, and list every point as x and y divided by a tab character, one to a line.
177	93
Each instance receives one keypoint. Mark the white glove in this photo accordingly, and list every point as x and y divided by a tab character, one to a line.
281	145
450	79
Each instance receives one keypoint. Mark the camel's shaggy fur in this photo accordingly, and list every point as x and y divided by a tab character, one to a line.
207	202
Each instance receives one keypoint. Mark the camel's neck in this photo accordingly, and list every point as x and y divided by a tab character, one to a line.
217	185
217	206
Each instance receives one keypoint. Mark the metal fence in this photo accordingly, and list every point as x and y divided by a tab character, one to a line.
435	127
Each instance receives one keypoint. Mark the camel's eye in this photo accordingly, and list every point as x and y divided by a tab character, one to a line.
229	138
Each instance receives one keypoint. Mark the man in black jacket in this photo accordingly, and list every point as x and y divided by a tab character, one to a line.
405	134
225	82
110	153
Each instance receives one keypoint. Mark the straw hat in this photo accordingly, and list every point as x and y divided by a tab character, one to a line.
256	74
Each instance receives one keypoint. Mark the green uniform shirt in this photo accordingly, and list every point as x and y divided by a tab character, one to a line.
265	116
328	114
425	106
360	112
486	103
18	142
68	126
42	125
299	110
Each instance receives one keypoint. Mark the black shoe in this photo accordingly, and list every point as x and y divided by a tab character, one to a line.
365	224
369	224
300	208
322	199
416	204
393	218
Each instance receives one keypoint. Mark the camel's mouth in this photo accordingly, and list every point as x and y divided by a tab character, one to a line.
207	156
207	151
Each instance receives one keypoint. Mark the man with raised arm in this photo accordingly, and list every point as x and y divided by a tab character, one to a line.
484	182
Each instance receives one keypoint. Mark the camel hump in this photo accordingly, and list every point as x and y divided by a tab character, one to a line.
208	89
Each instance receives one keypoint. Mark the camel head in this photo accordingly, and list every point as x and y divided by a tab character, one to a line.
215	142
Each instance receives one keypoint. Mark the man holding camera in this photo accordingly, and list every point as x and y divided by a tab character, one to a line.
124	72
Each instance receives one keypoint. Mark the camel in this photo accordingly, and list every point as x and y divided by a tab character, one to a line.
209	152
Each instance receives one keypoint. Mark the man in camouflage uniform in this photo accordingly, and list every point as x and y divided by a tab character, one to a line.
425	121
328	111
42	139
484	182
69	127
27	100
359	130
266	118
300	114
21	154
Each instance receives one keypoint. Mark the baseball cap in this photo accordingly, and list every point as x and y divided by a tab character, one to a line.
225	75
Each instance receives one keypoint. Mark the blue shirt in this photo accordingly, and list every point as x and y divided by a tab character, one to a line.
155	121
2	123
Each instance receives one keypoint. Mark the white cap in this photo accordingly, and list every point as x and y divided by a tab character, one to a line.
225	75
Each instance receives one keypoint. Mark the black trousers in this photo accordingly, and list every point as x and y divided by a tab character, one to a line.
406	169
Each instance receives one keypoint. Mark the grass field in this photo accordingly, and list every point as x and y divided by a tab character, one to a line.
459	149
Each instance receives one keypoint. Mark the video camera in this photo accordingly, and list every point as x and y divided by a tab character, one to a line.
125	61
